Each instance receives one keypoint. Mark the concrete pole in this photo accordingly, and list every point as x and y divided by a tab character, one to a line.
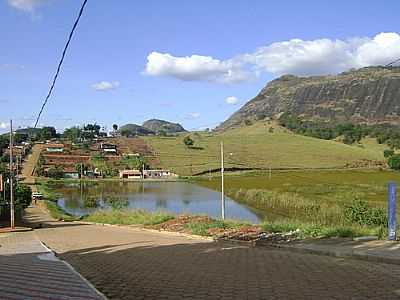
12	213
222	183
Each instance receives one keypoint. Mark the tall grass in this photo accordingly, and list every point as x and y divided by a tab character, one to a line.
291	205
313	230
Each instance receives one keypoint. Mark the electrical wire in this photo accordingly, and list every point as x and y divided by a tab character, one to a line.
392	63
61	62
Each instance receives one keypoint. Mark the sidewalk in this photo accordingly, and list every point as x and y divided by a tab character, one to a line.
375	251
29	270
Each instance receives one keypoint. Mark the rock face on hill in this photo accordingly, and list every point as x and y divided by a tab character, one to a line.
133	130
368	95
158	126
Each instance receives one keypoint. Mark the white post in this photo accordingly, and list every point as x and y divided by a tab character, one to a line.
222	183
12	213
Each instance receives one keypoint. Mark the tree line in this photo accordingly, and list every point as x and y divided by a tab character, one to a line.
350	133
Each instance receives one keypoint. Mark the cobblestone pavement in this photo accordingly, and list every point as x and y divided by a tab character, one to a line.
126	263
30	271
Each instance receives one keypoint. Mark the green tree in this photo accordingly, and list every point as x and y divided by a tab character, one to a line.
99	163
188	141
115	127
23	196
55	172
127	133
81	168
73	133
388	153
47	133
163	133
134	162
394	162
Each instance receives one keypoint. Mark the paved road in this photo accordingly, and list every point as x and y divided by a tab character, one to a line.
28	271
134	264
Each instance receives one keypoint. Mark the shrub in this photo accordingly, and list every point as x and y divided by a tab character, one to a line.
248	122
388	153
394	162
55	172
23	196
359	212
188	141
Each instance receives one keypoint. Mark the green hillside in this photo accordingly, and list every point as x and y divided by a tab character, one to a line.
256	146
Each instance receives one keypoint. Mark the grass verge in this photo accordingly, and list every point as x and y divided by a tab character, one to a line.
310	230
128	217
57	212
203	228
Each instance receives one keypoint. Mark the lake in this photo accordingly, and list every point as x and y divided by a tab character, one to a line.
174	197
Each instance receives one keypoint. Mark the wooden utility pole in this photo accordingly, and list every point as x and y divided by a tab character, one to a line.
12	219
222	183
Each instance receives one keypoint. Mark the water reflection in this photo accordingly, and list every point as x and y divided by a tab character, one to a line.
175	197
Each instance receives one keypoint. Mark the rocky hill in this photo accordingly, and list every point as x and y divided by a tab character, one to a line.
368	95
134	130
157	126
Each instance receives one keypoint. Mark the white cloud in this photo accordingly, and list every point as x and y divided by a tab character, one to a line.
106	85
325	56
194	115
296	56
26	5
195	67
3	125
11	67
231	100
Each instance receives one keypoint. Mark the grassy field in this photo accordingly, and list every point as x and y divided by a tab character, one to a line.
256	147
313	198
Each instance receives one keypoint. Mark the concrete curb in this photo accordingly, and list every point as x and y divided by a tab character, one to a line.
142	228
338	254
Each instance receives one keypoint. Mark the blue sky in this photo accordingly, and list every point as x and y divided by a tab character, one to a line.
192	62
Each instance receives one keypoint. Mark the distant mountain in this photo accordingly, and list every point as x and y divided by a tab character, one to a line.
133	130
369	95
158	126
32	132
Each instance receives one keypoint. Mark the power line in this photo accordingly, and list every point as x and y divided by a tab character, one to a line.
61	61
392	63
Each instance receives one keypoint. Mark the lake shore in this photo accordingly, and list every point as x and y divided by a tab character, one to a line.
257	199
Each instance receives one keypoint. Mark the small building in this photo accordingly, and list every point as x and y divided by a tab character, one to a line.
108	148
157	174
130	174
71	172
55	148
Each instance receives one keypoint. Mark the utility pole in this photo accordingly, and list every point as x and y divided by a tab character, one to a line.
17	169
11	177
222	183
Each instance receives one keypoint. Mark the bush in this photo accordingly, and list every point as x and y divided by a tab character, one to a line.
23	196
248	122
188	141
394	162
359	212
388	153
55	172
